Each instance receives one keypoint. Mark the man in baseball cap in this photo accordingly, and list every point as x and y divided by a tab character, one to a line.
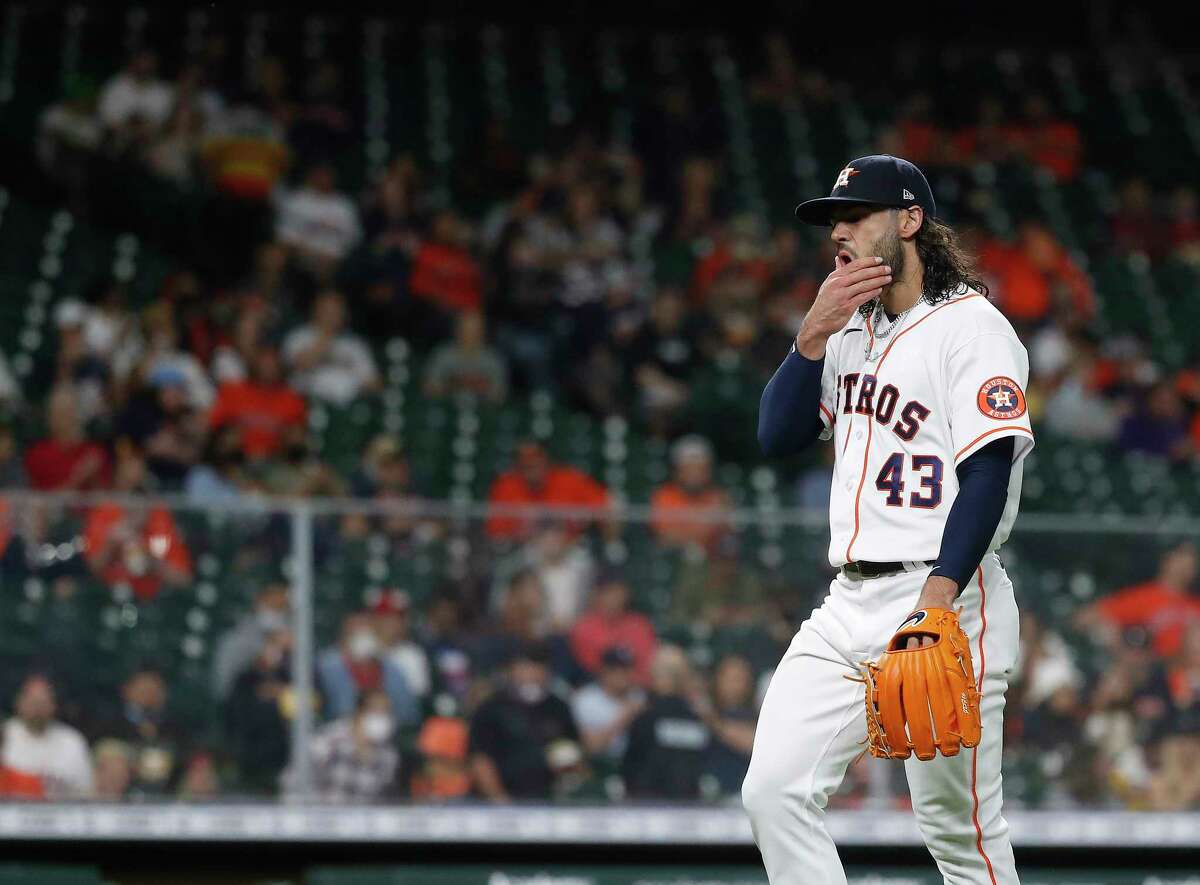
880	181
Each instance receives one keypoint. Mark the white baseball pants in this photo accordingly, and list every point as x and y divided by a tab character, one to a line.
813	721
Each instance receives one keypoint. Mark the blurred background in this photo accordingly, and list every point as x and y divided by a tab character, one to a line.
378	394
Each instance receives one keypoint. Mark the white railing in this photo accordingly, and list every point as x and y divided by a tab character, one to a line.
1068	537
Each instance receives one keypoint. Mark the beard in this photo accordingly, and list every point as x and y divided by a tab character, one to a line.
891	250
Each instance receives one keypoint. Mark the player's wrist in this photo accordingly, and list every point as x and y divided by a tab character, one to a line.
938	592
811	346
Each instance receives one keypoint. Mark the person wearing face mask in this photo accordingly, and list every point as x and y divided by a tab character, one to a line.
238	649
692	492
512	732
355	758
359	664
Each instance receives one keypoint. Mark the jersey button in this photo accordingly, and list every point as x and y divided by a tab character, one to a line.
858	435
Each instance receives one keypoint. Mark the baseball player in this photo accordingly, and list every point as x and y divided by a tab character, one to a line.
918	381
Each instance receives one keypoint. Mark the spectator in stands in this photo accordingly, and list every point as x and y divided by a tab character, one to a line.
520	619
172	152
1077	407
513	731
319	224
76	365
136	546
237	649
1183	673
385	477
299	472
1046	673
200	781
325	359
357	665
66	460
920	138
719	589
731	716
161	352
609	622
10	393
1158	426
1050	143
662	358
450	648
691	493
16	784
354	759
1130	706
562	566
257	713
113	767
69	133
467	365
220	475
159	422
12	471
36	743
1183	231
604	709
534	479
1135	228
1164	606
245	156
384	473
135	94
393	625
110	329
668	741
266	412
443	774
444	277
579	248
157	743
1033	273
736	271
1176	784
238	344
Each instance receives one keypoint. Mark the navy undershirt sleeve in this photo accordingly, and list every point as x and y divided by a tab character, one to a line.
971	525
788	420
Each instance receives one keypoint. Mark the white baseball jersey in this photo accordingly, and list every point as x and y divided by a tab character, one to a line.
947	381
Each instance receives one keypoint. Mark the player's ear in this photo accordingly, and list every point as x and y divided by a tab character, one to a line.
910	221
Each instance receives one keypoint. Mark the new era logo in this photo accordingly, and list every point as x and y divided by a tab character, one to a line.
908	195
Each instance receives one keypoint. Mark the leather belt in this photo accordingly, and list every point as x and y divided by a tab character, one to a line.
861	570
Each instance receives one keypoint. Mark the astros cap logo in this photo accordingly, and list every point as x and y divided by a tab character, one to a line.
1001	398
843	179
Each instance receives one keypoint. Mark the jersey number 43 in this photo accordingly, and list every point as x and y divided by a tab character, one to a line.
891	480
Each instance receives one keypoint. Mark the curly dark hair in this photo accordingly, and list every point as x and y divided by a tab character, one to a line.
948	268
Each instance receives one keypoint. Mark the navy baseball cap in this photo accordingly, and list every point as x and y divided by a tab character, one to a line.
880	180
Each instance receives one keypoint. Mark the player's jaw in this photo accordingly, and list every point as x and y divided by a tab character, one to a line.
890	248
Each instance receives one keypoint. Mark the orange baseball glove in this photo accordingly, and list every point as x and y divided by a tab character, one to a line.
923	699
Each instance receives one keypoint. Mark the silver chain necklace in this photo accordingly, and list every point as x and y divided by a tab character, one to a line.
883	334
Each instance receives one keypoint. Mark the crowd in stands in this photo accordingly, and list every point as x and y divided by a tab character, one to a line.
612	276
